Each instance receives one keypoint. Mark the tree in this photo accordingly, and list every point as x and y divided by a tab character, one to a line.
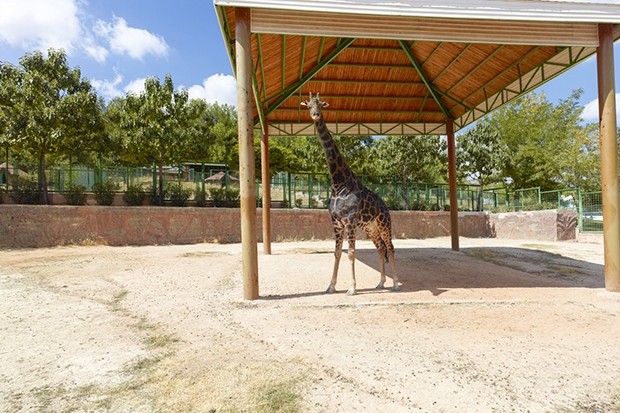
480	155
416	158
221	121
545	142
47	108
157	126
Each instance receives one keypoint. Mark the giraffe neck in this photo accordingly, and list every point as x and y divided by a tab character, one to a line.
339	171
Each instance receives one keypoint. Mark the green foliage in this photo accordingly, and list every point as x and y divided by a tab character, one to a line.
527	207
424	206
159	126
75	194
200	198
412	158
104	192
156	197
134	195
47	108
179	195
224	198
480	156
547	144
27	191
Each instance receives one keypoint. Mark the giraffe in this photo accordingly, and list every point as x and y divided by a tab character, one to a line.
352	205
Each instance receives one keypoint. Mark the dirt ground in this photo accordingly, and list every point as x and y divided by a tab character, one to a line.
501	326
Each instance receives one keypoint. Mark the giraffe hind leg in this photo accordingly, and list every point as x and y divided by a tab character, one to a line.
376	239
382	238
390	255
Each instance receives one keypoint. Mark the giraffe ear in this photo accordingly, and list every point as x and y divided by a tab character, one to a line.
304	103
324	104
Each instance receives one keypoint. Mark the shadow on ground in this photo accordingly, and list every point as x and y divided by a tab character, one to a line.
474	272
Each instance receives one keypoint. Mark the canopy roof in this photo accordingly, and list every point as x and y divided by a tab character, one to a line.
407	67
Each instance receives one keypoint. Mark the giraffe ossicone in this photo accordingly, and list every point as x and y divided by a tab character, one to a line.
352	205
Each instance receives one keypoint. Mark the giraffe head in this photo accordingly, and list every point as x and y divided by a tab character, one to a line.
315	105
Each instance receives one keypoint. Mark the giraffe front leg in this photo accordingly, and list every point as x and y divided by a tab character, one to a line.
337	255
351	253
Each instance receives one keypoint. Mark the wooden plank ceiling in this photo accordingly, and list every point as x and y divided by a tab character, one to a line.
388	81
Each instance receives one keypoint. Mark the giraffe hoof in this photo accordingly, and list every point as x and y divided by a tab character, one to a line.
330	290
380	286
351	291
396	288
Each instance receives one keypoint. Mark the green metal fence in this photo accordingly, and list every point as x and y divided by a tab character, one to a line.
308	190
591	212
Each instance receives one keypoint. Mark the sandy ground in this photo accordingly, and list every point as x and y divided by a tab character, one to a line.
500	326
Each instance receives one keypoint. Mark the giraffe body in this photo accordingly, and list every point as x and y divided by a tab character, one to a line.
351	206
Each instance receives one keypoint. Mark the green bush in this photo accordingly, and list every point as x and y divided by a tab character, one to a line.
223	198
154	195
104	192
134	195
529	207
75	194
179	195
27	191
200	198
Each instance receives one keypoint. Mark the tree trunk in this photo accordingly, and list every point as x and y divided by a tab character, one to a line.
405	190
480	196
160	197
43	179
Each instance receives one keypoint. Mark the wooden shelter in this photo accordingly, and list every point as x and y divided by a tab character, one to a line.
408	68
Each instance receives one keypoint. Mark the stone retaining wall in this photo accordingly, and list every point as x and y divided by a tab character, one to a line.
549	225
44	226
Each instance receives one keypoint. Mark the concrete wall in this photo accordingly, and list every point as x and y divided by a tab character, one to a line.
43	226
549	225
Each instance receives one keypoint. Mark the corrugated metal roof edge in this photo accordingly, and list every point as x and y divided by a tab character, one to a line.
559	11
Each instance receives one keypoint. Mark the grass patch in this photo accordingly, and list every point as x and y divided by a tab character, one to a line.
542	247
593	406
280	397
199	254
160	341
116	300
61	399
311	251
226	381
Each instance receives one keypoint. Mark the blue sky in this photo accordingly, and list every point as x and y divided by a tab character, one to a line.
119	43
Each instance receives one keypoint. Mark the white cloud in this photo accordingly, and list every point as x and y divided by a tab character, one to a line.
109	89
134	42
96	52
590	111
218	88
135	86
40	24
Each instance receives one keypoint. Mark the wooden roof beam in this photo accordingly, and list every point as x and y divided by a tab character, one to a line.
291	89
434	93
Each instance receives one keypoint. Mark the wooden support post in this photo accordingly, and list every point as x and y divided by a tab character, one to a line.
249	253
609	156
266	189
454	207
